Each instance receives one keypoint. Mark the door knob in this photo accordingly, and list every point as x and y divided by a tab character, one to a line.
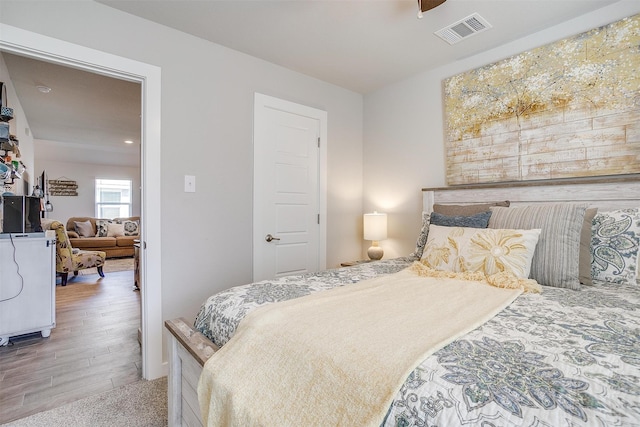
270	238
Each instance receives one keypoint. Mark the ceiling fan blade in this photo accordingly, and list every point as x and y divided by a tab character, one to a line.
429	4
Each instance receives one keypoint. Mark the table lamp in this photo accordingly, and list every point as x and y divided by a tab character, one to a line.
375	229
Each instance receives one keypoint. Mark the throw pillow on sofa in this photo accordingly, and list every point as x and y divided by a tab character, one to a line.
101	227
84	228
115	230
131	228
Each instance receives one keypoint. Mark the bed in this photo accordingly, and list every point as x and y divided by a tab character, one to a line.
562	357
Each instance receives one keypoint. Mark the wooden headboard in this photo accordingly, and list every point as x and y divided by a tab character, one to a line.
602	193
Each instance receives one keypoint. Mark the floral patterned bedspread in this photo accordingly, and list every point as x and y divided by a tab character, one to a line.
560	358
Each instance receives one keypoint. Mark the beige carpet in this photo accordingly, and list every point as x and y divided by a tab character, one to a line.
140	404
111	266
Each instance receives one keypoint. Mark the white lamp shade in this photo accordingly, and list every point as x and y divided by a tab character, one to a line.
375	226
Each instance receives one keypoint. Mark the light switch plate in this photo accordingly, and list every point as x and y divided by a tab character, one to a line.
189	184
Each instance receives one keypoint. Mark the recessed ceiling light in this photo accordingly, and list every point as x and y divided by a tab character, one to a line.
43	89
128	141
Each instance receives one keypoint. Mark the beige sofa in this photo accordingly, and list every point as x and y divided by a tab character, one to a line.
114	247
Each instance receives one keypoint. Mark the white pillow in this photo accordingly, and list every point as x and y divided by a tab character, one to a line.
115	230
462	249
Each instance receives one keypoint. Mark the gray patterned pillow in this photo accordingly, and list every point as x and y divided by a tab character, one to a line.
479	220
556	259
422	237
102	227
615	242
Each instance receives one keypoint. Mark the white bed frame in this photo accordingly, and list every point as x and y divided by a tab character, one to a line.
189	349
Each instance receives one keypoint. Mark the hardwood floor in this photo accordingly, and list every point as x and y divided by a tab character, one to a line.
92	349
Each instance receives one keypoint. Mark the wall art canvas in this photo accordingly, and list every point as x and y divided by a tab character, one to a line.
63	187
567	109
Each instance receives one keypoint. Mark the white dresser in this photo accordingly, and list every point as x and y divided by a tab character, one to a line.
27	285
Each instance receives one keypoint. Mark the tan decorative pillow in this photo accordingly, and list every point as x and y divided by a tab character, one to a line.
84	228
491	251
115	230
467	210
450	210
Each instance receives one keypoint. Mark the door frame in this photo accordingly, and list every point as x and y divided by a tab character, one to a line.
261	102
37	46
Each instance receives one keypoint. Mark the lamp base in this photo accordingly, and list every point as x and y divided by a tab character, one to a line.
375	252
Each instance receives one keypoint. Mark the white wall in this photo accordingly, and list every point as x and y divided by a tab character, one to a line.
403	130
85	175
207	114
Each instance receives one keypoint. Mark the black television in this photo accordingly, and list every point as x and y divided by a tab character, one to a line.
21	214
43	183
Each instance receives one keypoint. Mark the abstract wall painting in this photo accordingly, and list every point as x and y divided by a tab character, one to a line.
567	109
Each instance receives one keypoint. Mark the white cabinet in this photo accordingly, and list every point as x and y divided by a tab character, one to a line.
27	285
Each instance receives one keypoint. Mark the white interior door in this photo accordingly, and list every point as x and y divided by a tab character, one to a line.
288	214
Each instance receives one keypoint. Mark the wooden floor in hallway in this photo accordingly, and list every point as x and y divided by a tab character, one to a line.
93	348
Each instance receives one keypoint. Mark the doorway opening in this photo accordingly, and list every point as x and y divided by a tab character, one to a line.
37	46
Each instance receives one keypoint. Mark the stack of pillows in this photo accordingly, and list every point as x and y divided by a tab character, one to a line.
116	228
564	245
108	228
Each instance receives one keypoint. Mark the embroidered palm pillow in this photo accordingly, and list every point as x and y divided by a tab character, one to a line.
615	242
450	210
490	251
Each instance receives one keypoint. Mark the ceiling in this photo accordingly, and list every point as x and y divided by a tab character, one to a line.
360	45
86	117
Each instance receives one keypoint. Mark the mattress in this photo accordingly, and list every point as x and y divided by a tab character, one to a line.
559	358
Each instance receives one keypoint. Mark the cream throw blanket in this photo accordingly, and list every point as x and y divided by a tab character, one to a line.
339	357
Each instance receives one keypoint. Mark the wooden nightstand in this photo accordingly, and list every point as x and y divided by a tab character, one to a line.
352	263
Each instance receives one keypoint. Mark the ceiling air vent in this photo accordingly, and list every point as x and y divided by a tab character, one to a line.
472	24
